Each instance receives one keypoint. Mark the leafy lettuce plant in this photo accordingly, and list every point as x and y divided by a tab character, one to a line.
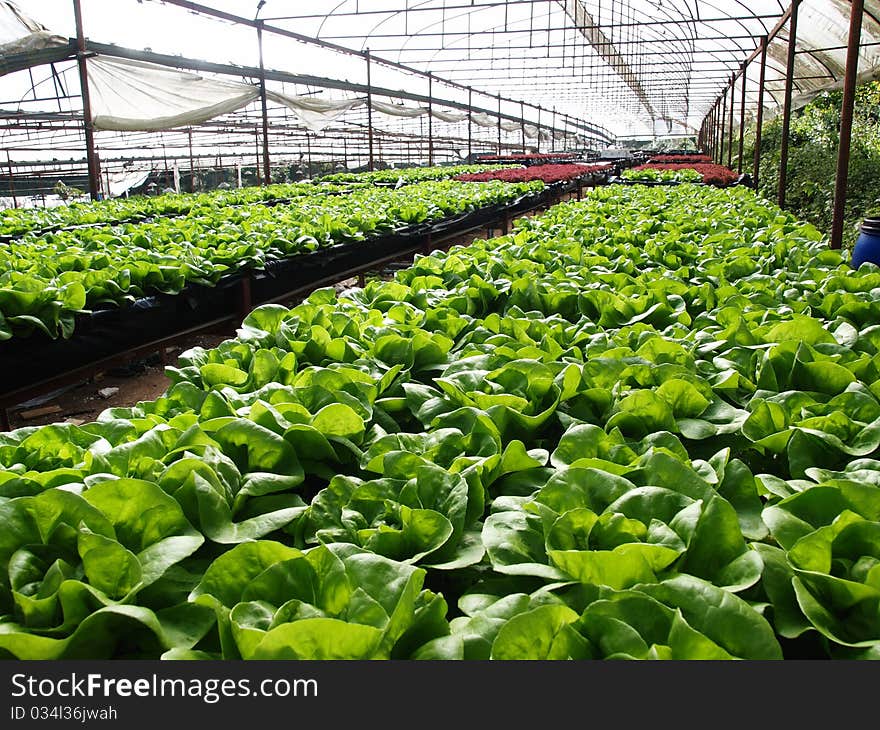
331	602
76	565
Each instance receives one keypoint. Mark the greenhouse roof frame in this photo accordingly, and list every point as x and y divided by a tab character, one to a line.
669	47
656	66
551	128
642	68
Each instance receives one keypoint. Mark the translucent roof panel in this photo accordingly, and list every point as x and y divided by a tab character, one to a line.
632	67
823	28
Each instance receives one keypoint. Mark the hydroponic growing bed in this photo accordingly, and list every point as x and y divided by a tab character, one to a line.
678	172
641	426
548	174
357	232
48	279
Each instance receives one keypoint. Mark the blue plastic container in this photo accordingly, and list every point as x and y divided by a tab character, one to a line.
867	246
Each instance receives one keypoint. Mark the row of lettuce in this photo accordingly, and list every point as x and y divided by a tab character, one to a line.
46	280
548	174
410	175
645	425
18	221
682	169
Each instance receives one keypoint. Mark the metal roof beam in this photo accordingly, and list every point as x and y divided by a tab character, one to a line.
306	80
586	26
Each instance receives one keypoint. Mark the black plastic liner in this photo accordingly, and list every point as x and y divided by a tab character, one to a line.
30	362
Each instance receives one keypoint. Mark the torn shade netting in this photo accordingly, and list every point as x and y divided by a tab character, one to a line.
19	33
450	117
315	114
131	96
398	110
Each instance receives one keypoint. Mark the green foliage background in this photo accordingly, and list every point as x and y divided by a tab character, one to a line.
815	134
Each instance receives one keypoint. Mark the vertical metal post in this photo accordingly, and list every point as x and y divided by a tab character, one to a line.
309	155
267	177
742	117
499	124
430	123
11	181
707	133
192	164
369	108
721	130
522	117
256	147
730	121
538	140
786	112
714	131
88	125
846	121
759	121
470	123
553	132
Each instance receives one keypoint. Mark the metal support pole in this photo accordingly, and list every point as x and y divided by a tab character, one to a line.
715	122
522	117
245	300
267	177
369	108
730	122
759	122
88	125
714	132
846	121
721	129
499	124
553	132
11	181
742	117
538	140
308	156
470	123
786	112
192	164
256	147
430	124
709	133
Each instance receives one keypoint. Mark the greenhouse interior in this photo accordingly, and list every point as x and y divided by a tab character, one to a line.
440	329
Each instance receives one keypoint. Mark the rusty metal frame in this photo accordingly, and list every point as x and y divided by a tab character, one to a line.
846	122
786	109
